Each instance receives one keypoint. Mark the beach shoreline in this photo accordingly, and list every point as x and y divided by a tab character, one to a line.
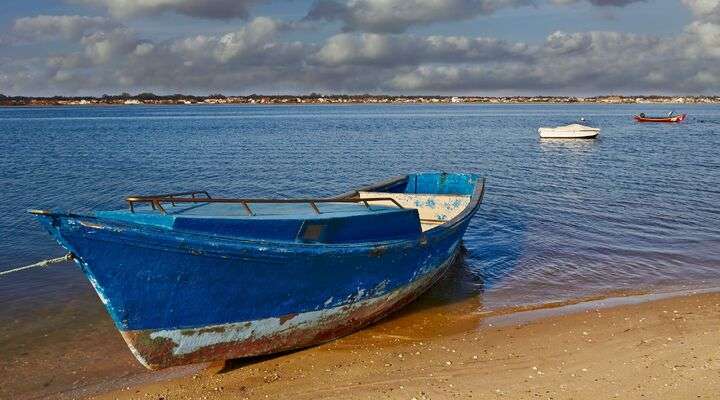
666	348
645	348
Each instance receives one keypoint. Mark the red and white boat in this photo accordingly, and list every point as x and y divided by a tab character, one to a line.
670	118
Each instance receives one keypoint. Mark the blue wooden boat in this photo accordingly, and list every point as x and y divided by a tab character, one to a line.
189	278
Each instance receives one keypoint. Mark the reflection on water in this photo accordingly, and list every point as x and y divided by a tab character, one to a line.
579	145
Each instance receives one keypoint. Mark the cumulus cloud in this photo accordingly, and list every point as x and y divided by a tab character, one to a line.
118	59
104	47
613	3
564	62
260	56
213	9
706	10
702	40
391	50
395	16
253	57
63	26
607	61
383	16
599	3
255	43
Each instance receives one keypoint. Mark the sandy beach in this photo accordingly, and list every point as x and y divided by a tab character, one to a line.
663	349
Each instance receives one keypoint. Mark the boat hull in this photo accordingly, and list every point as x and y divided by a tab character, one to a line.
675	118
177	300
546	133
162	348
182	296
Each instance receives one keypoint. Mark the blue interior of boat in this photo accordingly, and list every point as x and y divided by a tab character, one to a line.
436	183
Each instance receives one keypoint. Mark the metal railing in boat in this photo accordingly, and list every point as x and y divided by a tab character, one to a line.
156	201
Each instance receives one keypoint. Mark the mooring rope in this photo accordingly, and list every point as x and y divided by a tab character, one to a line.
44	263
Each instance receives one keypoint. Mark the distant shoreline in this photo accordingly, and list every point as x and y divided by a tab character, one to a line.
316	99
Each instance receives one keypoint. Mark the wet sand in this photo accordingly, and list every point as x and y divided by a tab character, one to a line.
65	345
664	349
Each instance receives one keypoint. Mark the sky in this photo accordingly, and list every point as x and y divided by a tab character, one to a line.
403	47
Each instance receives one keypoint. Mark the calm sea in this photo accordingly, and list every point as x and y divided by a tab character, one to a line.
638	208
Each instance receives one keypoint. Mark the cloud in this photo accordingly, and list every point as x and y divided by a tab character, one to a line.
393	50
702	40
613	3
456	62
394	16
260	56
118	59
255	37
63	26
255	43
211	9
580	60
106	47
565	62
599	3
704	10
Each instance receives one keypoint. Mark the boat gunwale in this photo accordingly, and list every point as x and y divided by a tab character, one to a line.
240	244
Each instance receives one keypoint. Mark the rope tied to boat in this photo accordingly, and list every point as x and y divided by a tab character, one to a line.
41	264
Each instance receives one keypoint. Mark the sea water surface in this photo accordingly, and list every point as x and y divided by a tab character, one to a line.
638	208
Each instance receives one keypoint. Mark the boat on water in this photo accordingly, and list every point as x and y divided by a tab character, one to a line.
572	131
670	117
190	278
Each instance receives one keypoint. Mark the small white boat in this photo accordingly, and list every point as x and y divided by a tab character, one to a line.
572	131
